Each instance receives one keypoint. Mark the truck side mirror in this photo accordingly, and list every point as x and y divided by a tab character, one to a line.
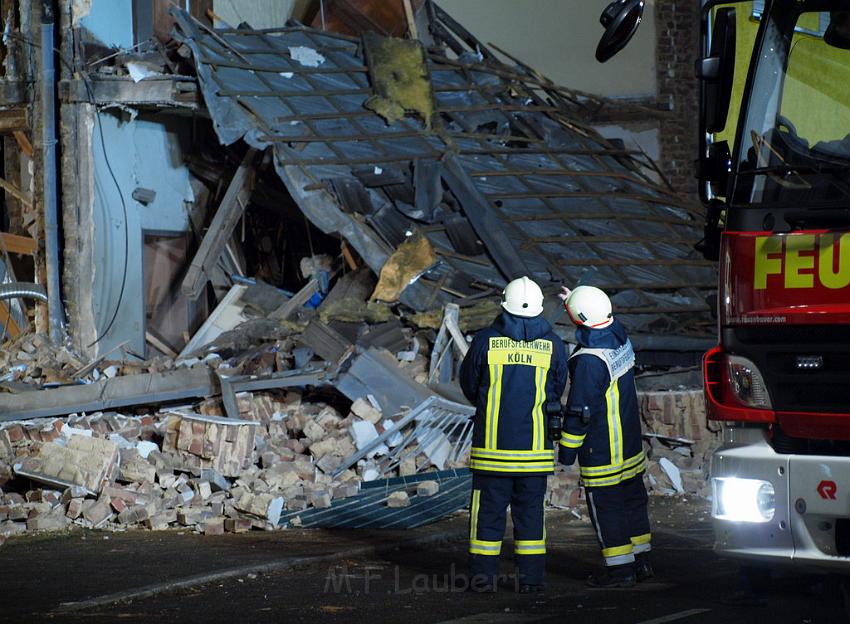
709	246
620	19
715	167
717	71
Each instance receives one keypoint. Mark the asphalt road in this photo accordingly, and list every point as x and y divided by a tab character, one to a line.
323	576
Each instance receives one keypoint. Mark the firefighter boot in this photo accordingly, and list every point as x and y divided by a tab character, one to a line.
643	567
614	577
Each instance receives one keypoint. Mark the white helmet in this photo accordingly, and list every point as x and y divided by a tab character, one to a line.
522	297
589	307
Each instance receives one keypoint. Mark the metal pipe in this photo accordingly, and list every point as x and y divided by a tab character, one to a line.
50	191
22	290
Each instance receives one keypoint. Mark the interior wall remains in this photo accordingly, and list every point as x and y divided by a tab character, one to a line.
111	153
258	13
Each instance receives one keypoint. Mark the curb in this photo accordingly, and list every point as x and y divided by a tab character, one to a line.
262	568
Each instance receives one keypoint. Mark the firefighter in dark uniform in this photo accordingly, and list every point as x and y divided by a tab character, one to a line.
602	428
514	372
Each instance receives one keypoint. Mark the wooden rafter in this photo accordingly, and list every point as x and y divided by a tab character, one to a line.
18	244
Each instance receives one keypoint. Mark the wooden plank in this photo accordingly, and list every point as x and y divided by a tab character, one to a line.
349	256
442	363
17	193
451	321
159	344
411	20
12	120
226	217
24	143
163	22
18	244
9	322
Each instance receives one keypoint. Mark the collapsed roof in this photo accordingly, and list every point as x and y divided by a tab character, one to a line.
496	171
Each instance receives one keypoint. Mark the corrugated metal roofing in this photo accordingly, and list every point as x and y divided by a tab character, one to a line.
546	196
368	509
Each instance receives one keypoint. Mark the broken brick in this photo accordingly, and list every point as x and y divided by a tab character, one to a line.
237	525
398	499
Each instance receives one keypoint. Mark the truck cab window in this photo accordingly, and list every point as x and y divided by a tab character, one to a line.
817	101
795	145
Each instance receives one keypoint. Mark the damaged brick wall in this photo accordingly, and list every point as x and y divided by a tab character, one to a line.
678	415
677	24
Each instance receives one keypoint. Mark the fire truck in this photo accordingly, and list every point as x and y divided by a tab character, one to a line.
774	171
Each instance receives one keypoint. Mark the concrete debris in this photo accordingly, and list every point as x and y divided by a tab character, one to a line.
85	461
135	469
306	56
437	448
265	506
139	70
398	499
97	512
320	499
364	432
427	488
564	491
144	447
362	408
673	474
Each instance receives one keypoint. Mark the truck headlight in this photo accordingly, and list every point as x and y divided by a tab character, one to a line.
743	500
746	382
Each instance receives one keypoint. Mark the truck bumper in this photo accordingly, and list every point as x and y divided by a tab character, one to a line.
810	524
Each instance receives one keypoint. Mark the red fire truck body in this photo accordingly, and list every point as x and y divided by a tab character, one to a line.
779	378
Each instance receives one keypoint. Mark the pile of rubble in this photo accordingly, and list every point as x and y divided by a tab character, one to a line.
198	469
191	469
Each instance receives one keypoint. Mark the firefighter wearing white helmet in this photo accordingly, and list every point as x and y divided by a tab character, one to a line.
523	297
602	429
514	372
589	306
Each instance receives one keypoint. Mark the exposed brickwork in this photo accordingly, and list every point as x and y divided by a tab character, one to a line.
677	24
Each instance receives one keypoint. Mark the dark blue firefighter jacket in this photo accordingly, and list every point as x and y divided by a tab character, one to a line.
511	370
